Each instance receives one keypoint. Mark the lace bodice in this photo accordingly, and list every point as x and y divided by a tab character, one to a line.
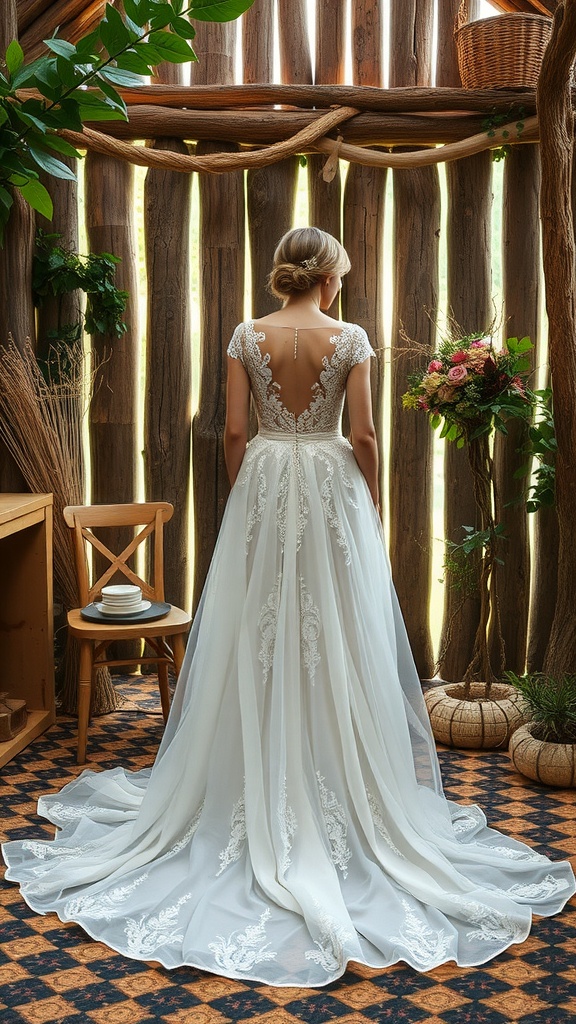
350	346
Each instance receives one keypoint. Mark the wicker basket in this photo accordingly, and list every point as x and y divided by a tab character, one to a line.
504	52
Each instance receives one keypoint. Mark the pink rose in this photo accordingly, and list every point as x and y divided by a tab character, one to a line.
434	366
457	374
422	403
480	343
460	357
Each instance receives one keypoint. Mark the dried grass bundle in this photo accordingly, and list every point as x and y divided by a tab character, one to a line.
41	425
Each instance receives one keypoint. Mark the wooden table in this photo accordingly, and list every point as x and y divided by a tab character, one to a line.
26	612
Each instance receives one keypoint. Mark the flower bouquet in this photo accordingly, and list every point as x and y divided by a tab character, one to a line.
471	388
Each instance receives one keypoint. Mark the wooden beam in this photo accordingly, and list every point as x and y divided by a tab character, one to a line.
396	100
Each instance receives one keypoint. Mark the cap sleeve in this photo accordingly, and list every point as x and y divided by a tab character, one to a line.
236	348
360	347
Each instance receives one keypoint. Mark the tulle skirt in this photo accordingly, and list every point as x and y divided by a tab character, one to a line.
294	818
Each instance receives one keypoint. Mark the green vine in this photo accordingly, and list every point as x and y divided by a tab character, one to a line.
493	121
58	271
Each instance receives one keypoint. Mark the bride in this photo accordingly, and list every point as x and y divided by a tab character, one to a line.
294	818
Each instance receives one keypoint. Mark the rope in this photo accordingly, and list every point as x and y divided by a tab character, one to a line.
311	137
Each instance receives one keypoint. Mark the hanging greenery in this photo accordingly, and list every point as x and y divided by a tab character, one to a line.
58	271
117	53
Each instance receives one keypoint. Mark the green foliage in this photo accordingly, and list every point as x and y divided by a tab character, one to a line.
58	271
551	703
116	53
541	446
494	121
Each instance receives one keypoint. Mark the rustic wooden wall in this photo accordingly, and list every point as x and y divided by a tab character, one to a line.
351	206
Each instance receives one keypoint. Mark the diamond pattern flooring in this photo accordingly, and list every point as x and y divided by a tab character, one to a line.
52	973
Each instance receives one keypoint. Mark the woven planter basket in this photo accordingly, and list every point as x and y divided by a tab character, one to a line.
474	723
553	764
504	52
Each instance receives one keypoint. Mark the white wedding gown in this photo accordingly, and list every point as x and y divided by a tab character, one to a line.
294	818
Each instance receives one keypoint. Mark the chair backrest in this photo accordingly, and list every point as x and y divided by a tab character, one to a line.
84	519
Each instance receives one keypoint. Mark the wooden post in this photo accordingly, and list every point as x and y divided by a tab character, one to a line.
113	441
469	300
222	241
167	406
364	201
16	308
556	134
68	309
325	197
521	274
271	191
416	232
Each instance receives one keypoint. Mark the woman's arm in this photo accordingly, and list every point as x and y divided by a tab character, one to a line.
237	417
362	430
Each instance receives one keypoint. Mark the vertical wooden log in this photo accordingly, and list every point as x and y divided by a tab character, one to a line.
113	440
325	197
68	309
167	412
469	300
521	273
554	107
295	59
222	244
271	191
364	201
167	409
416	233
16	308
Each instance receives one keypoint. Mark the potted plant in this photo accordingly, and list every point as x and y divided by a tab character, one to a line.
470	389
544	748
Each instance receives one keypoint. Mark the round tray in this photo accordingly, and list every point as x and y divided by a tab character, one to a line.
157	610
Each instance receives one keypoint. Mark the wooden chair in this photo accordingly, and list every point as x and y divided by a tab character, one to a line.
165	636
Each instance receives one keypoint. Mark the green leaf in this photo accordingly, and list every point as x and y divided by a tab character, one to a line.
60	145
218	10
61	47
88	46
183	27
111	94
114	33
132	10
29	119
6	198
120	77
14	57
37	197
171	47
163	16
130	61
51	164
100	112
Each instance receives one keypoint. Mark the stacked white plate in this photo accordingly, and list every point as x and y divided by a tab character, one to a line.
121	600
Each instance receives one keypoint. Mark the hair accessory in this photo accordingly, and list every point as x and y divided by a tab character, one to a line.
309	264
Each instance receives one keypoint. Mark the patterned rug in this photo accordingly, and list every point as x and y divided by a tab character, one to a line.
54	974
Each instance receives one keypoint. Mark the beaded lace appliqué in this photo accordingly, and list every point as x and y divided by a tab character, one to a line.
333	936
237	836
102	905
379	824
267	623
241	950
336	826
153	931
426	946
310	627
288	824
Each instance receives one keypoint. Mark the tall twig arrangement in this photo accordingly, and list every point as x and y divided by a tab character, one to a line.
41	425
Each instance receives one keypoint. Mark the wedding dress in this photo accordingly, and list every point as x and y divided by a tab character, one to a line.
294	818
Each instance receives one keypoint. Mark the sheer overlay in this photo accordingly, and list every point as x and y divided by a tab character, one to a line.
294	817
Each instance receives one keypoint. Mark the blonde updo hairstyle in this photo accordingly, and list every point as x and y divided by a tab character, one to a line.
303	258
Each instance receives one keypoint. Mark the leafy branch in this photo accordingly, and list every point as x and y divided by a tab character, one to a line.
40	98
